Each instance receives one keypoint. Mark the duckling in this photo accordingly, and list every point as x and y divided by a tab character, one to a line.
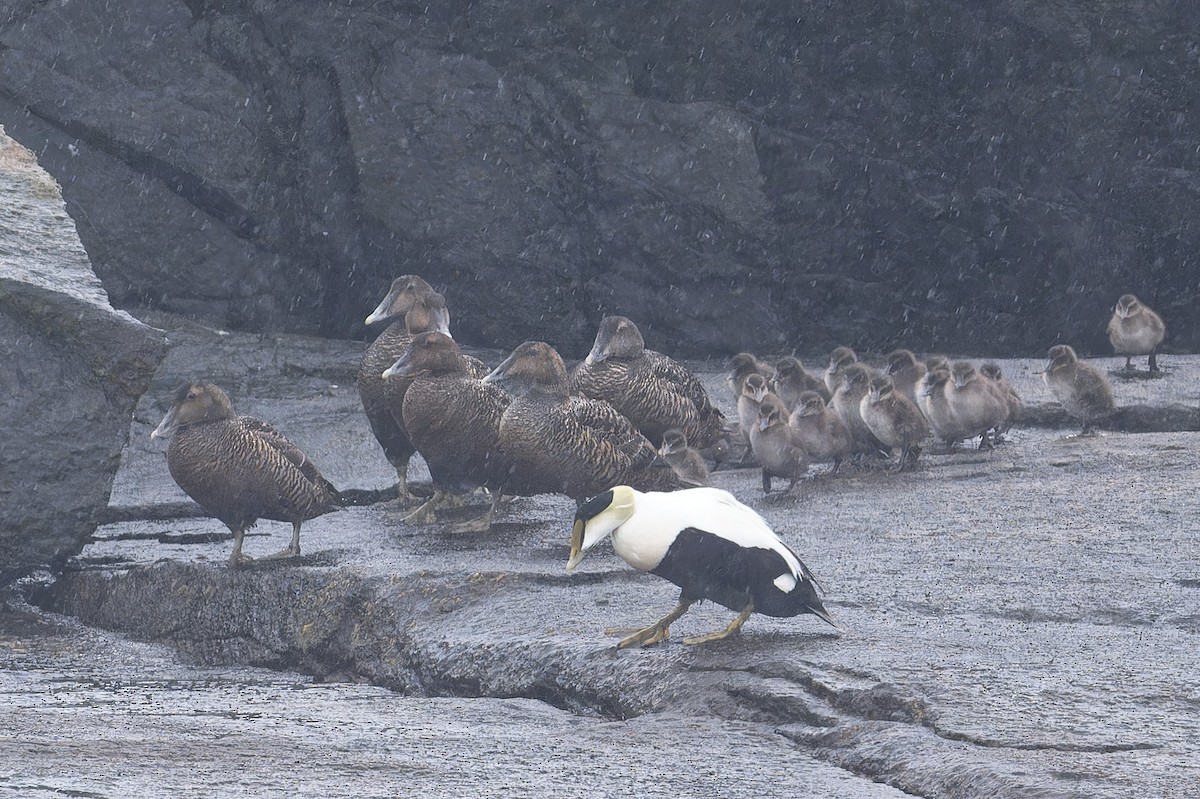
839	359
453	420
707	543
410	307
651	390
854	381
776	446
820	431
894	420
975	404
754	388
790	381
240	469
934	400
686	461
742	365
1016	406
1079	386
569	444
906	372
1135	330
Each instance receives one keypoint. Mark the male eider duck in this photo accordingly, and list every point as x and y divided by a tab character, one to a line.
240	469
649	388
707	543
562	443
453	419
1079	386
1135	330
410	310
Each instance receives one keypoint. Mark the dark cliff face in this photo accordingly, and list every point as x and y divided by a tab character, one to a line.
770	177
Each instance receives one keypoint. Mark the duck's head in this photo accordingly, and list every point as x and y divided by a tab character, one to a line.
428	353
400	298
1060	355
939	375
963	373
428	312
755	387
788	366
841	357
533	364
194	402
617	337
810	403
900	360
740	365
771	412
881	388
597	518
991	370
673	441
1127	306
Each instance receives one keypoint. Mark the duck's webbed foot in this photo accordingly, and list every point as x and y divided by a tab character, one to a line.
733	627
656	632
427	513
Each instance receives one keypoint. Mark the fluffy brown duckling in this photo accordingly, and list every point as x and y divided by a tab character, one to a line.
820	431
453	419
976	404
649	388
839	359
933	399
741	366
906	372
776	446
1080	387
685	460
791	380
1016	406
894	420
563	443
240	469
1134	329
854	383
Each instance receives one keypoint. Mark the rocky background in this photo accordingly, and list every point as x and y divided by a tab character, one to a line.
773	176
71	371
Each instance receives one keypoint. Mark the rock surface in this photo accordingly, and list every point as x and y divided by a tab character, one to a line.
769	177
1019	623
72	369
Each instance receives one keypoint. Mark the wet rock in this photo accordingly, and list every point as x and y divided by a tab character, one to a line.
72	368
757	178
1018	621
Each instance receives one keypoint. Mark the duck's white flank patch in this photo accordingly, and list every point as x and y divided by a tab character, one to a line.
659	517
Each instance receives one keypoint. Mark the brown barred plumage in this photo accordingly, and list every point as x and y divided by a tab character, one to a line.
240	469
568	444
651	390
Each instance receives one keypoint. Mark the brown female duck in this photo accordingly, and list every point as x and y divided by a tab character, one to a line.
240	469
653	391
453	420
560	443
